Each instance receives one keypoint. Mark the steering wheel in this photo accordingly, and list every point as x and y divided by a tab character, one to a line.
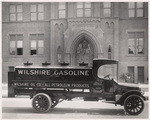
107	76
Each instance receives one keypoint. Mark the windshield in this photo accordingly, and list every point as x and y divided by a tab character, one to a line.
108	72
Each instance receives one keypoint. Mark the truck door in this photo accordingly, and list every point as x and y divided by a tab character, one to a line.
109	90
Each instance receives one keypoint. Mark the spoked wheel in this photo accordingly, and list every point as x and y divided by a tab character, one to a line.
42	102
134	105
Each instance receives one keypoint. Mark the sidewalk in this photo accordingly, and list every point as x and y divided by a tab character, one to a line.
142	86
4	90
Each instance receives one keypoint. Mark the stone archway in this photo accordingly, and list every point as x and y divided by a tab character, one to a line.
84	51
74	37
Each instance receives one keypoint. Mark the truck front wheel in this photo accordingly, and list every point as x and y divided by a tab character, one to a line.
42	102
133	104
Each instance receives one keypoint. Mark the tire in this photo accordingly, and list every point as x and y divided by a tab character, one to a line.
41	102
133	104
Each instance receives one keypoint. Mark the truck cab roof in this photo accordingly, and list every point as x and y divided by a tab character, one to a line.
105	61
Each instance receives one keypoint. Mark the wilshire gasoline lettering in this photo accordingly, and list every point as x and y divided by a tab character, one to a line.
54	72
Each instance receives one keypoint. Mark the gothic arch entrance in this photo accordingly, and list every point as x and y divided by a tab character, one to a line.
84	50
82	46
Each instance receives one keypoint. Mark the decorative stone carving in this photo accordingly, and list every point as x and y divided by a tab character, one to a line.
84	52
89	24
59	54
78	49
73	32
83	20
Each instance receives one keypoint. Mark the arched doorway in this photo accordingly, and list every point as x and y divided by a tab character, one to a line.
85	40
84	51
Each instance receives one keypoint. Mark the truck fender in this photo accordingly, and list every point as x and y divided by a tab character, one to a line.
125	95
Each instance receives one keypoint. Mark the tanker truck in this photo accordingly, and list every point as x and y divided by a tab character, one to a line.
49	85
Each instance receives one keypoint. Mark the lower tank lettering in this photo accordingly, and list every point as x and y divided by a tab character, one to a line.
80	85
60	85
21	84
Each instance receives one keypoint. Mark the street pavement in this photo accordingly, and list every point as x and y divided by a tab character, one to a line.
21	108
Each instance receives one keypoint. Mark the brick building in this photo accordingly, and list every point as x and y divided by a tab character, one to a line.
76	32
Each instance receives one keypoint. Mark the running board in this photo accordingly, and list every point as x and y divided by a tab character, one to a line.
111	102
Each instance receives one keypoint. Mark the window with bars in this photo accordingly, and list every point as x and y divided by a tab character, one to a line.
135	9
16	44
83	9
136	43
37	12
37	44
107	9
62	10
16	12
140	74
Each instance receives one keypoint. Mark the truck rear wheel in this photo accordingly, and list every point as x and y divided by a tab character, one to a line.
133	104
42	102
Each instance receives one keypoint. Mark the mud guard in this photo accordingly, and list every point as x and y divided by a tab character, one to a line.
125	95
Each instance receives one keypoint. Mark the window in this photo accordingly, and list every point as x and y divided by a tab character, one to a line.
107	9
141	74
131	74
135	9
139	9
62	10
37	12
87	9
16	13
37	44
83	9
16	44
79	9
135	43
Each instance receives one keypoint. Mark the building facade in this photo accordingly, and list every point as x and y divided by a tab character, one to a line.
77	32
